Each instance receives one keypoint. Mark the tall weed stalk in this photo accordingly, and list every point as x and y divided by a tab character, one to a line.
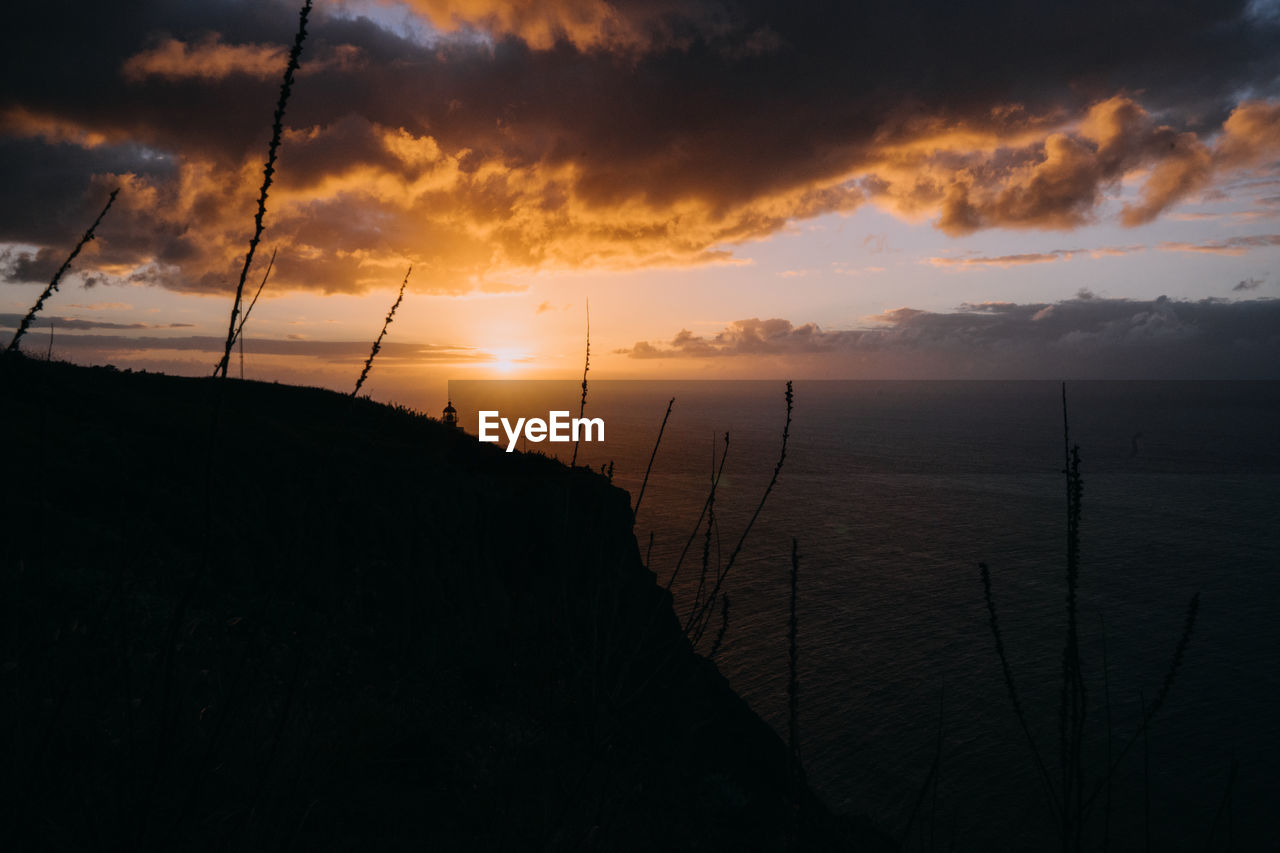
239	337
586	365
1068	803
698	624
268	172
652	456
57	278
377	344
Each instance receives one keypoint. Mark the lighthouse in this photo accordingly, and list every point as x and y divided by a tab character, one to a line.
450	415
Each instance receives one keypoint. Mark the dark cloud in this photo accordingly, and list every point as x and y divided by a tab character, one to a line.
578	133
1247	284
1084	337
81	325
102	348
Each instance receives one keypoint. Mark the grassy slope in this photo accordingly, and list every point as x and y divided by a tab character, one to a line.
318	623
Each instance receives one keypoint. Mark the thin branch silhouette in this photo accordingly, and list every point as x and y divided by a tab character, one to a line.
699	623
277	130
377	345
994	623
636	511
585	367
57	277
240	328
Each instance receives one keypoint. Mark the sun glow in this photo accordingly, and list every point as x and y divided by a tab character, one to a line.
508	361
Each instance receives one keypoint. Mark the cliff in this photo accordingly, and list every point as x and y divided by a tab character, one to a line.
249	616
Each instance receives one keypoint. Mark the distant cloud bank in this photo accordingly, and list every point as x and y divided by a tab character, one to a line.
1084	337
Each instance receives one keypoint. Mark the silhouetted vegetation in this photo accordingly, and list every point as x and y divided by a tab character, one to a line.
586	365
238	337
57	278
635	511
1072	800
377	344
268	171
702	606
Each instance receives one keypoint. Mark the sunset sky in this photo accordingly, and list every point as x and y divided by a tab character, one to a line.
741	189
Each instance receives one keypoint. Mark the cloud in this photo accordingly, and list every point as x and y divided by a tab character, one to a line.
209	59
1249	135
1037	173
78	324
1084	337
102	348
1247	284
586	134
1230	246
544	308
1020	259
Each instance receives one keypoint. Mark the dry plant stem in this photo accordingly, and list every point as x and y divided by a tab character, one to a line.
57	278
653	613
1073	679
701	622
1225	806
1179	652
277	130
994	623
1072	711
724	627
377	345
586	365
706	544
711	496
635	512
1106	701
930	779
793	660
240	328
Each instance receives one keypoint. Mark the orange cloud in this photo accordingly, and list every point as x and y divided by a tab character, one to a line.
209	59
587	134
586	24
1250	135
1055	176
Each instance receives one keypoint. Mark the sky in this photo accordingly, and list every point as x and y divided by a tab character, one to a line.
737	188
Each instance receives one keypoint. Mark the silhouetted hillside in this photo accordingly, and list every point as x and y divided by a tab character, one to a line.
248	616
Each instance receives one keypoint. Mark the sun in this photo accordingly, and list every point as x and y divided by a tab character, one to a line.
508	361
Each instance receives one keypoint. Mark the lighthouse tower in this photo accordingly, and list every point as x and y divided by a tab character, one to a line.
450	415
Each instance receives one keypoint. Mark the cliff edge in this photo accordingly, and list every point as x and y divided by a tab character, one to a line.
249	616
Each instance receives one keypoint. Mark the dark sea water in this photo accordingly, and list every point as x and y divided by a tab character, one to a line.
895	491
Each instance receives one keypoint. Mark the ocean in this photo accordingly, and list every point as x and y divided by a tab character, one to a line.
894	492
